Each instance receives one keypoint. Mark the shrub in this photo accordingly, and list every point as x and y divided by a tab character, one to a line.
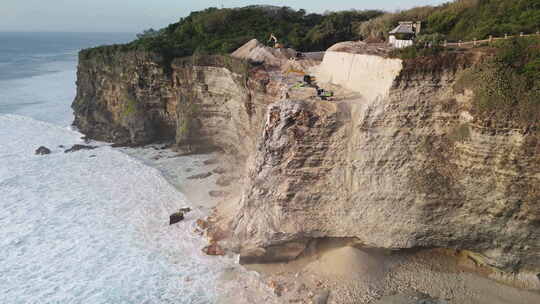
507	85
221	31
464	19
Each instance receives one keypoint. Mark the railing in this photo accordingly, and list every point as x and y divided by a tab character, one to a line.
475	42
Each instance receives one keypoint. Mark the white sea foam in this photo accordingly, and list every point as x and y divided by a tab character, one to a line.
77	228
92	226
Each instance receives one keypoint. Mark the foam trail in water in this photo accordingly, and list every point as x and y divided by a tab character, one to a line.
83	229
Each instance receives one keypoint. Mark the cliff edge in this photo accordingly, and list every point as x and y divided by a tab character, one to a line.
394	161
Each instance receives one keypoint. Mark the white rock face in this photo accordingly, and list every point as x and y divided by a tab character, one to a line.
402	166
256	51
370	75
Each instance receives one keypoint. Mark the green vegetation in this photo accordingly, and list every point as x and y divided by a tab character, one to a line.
463	19
507	85
430	61
377	29
334	28
130	107
186	125
221	31
416	51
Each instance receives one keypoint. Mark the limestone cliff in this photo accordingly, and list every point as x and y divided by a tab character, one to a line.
201	103
399	162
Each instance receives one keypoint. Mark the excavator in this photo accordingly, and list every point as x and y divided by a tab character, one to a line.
277	45
324	94
307	78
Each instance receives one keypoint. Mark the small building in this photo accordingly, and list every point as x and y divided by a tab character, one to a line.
403	35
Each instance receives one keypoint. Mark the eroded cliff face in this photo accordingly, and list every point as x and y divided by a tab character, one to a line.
401	164
201	103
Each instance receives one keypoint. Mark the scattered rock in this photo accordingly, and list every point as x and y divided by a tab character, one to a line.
91	156
76	148
185	209
211	161
213	249
216	193
321	297
188	169
201	176
224	181
43	151
278	289
61	146
219	170
176	217
202	224
126	145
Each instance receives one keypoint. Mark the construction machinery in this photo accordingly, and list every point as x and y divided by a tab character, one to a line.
277	45
324	94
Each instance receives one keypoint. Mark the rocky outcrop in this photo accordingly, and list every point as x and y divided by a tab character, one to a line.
78	147
42	151
257	52
401	164
201	103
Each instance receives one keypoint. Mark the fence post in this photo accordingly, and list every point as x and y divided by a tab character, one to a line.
474	41
459	43
521	34
505	36
490	38
445	43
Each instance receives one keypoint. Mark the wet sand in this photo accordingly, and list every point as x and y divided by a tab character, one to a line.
337	273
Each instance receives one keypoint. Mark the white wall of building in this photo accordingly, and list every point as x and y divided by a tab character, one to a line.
397	43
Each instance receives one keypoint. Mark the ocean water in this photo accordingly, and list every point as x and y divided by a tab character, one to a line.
90	226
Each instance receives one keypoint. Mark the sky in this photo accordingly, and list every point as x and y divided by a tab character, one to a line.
137	15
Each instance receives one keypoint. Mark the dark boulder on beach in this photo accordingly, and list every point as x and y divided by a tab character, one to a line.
43	151
176	217
76	148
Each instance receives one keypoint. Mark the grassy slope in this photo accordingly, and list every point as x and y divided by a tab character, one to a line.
464	19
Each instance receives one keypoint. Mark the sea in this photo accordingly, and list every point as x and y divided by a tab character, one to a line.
90	226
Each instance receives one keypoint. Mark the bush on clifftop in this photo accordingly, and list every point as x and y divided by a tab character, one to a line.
464	19
221	31
507	84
